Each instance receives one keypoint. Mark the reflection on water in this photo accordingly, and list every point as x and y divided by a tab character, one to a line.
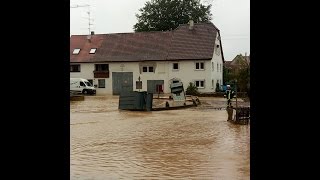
194	143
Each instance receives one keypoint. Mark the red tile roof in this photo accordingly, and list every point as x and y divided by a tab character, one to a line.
179	44
81	42
193	44
239	60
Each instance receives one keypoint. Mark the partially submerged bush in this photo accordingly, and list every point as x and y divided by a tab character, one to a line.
192	90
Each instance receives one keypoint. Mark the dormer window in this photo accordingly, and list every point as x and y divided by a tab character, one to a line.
93	50
76	51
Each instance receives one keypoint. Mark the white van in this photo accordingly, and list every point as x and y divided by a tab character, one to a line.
81	85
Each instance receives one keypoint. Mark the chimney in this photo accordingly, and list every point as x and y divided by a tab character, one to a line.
191	24
89	38
92	32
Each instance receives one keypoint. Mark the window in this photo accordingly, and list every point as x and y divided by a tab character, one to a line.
101	83
138	84
212	64
217	67
82	84
102	67
75	68
175	66
147	69
76	51
199	84
212	83
90	81
220	68
93	50
200	66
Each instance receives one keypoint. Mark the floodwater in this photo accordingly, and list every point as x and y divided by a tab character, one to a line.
192	143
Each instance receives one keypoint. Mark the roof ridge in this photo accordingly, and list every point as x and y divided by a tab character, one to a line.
144	32
201	23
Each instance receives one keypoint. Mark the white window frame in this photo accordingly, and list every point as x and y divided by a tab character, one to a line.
76	51
195	65
200	87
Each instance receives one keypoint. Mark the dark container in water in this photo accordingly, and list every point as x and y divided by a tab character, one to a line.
135	100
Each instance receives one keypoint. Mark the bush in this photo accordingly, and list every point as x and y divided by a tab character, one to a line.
218	87
192	90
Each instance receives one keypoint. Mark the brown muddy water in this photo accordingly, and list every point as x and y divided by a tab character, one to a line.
192	143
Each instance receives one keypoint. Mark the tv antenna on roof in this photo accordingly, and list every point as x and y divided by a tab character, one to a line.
89	19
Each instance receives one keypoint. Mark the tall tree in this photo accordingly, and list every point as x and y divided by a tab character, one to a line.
163	15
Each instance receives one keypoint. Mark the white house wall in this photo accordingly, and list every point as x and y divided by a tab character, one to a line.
86	72
163	71
217	74
187	73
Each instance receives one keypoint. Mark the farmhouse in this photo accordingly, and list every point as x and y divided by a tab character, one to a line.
149	61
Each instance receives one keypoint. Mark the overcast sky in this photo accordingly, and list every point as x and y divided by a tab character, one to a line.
232	17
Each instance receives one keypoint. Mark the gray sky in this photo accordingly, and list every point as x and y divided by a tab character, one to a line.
232	17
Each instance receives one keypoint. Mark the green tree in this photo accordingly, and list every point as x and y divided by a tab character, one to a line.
227	76
243	76
244	79
192	90
163	15
241	73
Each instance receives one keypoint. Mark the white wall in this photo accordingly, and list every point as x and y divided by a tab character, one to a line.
217	74
163	71
187	73
86	72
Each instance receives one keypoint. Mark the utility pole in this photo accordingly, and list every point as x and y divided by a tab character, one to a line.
236	94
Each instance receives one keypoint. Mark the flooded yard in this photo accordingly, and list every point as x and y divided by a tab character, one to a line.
192	143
